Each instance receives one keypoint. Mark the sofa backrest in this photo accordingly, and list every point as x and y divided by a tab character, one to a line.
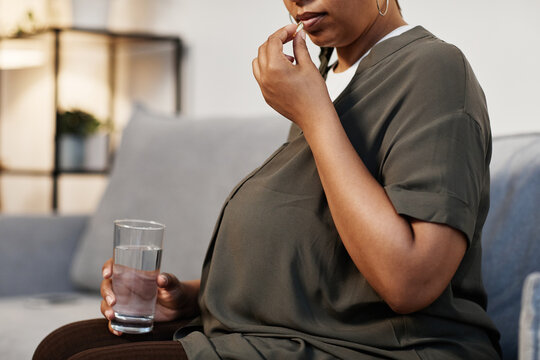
511	235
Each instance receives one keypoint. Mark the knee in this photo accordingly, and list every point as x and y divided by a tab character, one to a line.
67	340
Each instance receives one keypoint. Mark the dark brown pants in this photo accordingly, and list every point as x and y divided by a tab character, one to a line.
91	339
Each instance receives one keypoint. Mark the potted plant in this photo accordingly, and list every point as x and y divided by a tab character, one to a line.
83	141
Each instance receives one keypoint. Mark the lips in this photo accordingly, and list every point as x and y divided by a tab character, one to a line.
310	19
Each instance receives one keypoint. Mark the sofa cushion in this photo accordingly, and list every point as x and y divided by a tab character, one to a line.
49	241
177	171
511	246
26	320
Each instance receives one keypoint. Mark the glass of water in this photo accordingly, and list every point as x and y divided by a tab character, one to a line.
137	258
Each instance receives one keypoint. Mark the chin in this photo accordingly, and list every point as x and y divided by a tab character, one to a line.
320	40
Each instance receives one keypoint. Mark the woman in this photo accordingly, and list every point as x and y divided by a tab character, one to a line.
360	237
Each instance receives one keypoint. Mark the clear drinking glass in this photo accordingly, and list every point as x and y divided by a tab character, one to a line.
137	259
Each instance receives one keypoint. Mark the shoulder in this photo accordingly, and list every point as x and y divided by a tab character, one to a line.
431	62
434	71
429	50
432	48
433	84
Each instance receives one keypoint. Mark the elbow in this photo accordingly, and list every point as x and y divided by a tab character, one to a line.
405	300
411	290
404	307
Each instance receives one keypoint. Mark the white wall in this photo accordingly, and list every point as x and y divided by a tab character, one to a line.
221	39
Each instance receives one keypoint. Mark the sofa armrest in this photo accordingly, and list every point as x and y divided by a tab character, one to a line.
36	253
529	321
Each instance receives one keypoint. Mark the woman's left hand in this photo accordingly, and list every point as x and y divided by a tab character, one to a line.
297	91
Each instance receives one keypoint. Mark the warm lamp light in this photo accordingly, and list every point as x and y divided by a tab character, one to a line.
18	54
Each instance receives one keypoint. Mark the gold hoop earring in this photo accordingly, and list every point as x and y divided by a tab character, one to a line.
379	8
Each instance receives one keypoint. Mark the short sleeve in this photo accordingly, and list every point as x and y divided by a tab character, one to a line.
435	171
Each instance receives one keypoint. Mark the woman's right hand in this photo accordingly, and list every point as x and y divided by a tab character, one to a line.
175	299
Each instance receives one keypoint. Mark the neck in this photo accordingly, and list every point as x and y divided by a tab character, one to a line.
381	26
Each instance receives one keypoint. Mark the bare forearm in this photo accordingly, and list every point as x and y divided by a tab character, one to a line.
362	212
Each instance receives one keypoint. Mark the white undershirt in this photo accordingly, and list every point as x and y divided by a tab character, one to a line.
337	82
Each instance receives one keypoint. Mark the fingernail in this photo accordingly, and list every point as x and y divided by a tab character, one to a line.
117	333
164	279
109	300
106	272
303	34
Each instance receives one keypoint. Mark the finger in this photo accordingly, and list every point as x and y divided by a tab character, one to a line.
256	69
300	49
115	332
167	281
285	34
106	310
274	45
106	292
107	269
261	55
276	40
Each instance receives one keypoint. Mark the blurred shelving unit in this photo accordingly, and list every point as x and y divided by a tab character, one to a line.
58	69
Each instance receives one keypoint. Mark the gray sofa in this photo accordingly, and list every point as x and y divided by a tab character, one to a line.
178	171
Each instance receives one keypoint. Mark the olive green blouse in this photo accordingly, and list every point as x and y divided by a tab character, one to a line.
277	282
